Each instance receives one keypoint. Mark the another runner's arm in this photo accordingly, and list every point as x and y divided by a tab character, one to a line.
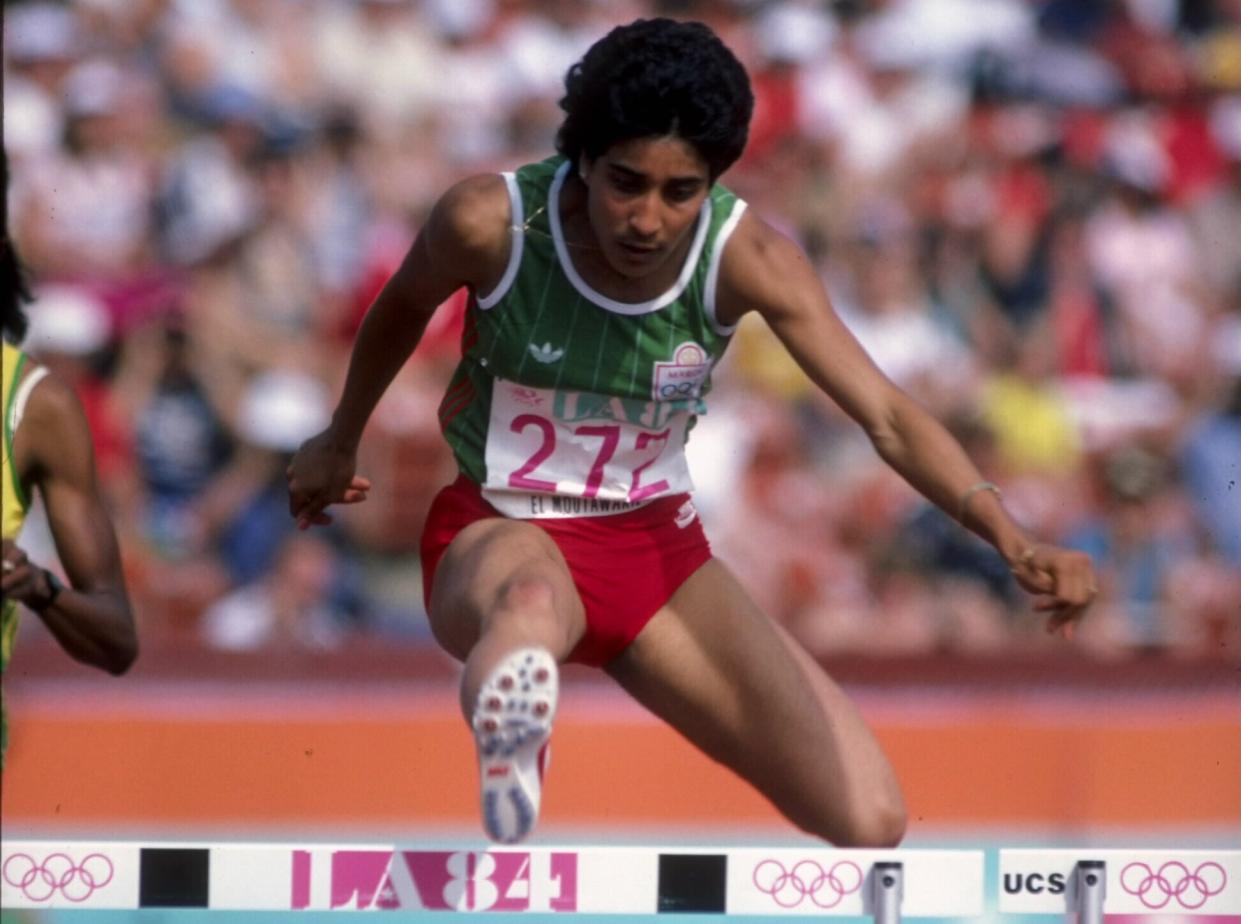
764	271
90	618
465	242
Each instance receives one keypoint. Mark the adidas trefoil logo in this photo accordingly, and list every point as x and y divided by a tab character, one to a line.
545	353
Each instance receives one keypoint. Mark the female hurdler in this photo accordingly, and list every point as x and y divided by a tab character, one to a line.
605	283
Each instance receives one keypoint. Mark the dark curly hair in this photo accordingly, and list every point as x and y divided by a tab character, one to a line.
13	290
652	78
13	294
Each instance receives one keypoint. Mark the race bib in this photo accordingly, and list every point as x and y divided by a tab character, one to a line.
571	454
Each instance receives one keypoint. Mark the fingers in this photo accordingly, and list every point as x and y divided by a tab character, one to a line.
307	502
18	575
1073	595
1031	572
311	510
11	576
1062	618
15	562
1064	623
319	519
1064	582
357	490
1064	629
303	507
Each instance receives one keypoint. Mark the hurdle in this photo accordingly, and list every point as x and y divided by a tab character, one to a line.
809	882
1082	884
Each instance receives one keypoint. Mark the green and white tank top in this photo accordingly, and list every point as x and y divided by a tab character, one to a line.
570	403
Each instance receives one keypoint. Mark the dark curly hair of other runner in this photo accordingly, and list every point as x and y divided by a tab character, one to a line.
655	78
13	290
13	294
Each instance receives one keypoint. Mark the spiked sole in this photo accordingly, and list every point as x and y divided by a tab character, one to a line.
512	723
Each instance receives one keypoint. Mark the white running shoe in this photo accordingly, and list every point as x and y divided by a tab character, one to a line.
512	724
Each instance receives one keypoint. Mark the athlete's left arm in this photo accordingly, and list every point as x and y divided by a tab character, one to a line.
764	271
91	617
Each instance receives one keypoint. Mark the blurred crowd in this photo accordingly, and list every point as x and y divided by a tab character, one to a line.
1028	211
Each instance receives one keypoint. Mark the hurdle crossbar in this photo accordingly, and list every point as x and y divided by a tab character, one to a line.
1084	883
816	882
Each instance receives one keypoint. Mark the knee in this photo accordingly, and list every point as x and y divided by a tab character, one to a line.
526	596
879	820
532	607
875	819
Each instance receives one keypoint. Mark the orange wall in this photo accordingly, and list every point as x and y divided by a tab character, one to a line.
87	763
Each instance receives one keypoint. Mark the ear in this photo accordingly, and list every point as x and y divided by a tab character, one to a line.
583	168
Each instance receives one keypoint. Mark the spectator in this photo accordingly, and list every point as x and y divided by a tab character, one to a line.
1210	453
287	607
1139	544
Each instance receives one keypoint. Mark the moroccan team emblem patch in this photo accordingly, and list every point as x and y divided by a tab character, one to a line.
684	376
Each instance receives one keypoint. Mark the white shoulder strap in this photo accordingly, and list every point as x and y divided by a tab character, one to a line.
517	240
33	378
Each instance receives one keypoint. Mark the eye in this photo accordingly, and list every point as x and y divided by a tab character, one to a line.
625	183
683	192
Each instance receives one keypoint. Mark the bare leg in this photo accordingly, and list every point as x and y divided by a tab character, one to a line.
505	604
503	585
740	688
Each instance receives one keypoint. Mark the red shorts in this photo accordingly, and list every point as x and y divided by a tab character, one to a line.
625	566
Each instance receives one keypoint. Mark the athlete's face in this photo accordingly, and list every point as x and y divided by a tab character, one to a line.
643	198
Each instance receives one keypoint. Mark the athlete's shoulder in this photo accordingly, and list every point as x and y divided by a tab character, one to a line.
473	214
53	432
52	404
759	268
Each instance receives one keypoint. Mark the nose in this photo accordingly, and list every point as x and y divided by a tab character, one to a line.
644	218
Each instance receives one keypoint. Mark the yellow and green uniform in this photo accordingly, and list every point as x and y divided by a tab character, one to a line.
15	502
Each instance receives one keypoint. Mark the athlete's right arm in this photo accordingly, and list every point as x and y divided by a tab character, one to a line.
465	242
91	618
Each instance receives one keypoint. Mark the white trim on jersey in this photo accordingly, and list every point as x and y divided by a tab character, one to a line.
18	408
630	308
517	234
713	270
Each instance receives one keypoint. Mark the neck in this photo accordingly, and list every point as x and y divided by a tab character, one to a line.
592	265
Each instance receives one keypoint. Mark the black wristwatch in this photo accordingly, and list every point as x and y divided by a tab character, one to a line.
54	587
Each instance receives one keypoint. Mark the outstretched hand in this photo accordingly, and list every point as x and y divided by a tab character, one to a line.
322	473
1063	582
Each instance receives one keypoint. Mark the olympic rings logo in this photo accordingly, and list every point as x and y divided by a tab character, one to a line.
807	879
678	389
57	873
1173	880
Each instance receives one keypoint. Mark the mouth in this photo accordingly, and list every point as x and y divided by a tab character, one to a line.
638	252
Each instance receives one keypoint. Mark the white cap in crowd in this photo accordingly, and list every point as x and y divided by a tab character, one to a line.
67	321
282	408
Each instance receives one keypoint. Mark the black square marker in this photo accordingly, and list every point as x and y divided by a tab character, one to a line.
692	882
173	877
